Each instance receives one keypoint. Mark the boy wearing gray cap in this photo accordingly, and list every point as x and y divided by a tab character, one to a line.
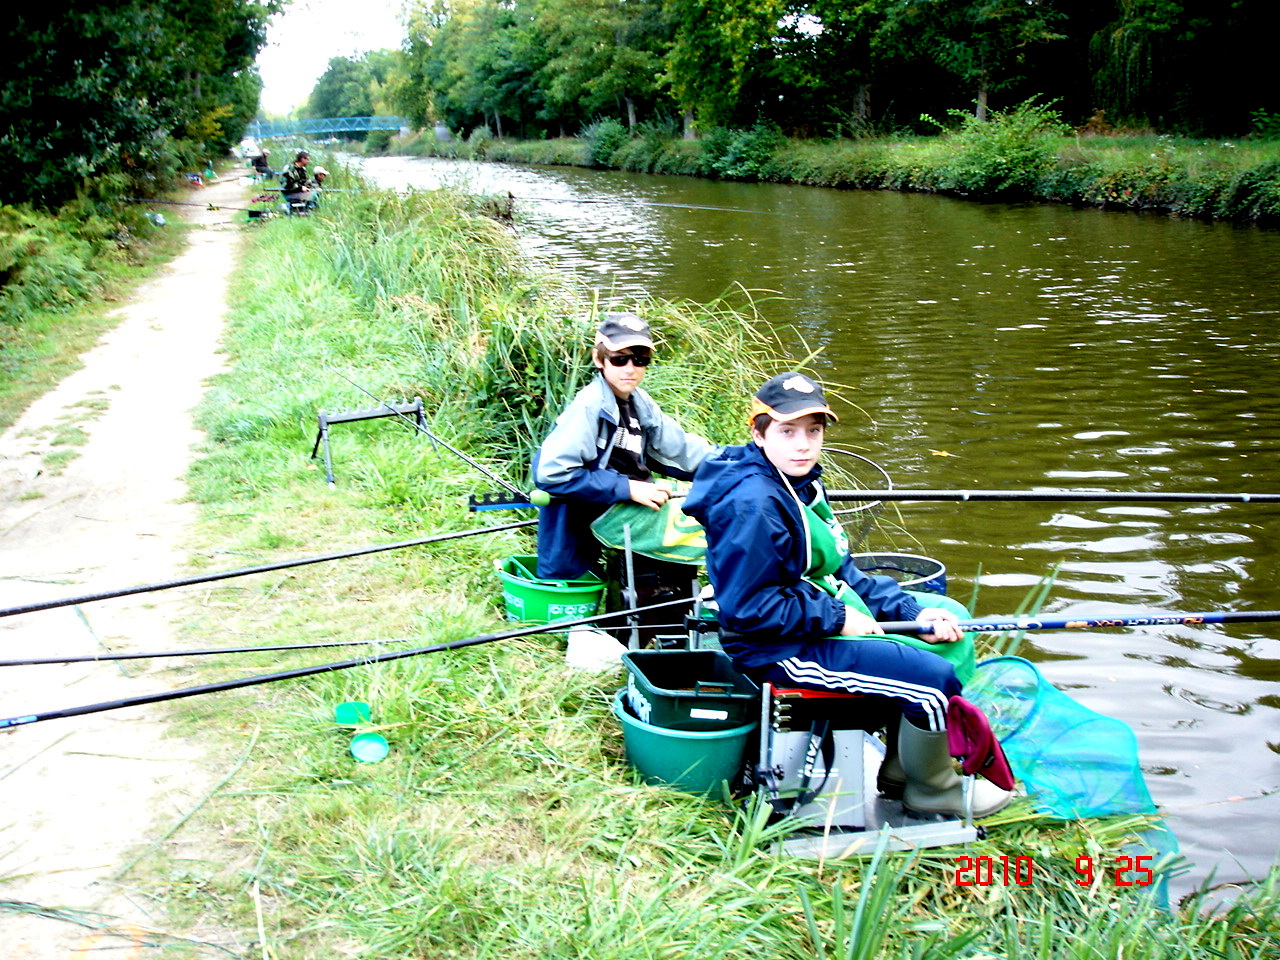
605	448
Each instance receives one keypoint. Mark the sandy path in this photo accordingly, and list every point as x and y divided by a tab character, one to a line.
82	796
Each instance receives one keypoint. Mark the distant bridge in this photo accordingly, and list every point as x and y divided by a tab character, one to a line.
292	128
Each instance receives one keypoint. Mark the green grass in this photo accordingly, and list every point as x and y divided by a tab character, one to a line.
504	823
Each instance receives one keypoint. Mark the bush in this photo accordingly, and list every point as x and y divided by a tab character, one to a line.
647	151
603	138
1007	153
377	141
478	141
1266	125
742	154
1252	194
44	264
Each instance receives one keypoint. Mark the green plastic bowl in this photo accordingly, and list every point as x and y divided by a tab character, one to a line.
695	761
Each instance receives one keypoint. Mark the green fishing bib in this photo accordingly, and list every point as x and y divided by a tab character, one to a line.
828	546
664	534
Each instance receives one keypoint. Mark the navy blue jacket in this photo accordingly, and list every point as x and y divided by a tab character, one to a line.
756	560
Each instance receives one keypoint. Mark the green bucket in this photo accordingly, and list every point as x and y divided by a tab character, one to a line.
545	601
695	761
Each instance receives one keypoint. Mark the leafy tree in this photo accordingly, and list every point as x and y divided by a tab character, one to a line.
601	55
984	43
826	61
1199	65
478	63
94	88
354	87
717	45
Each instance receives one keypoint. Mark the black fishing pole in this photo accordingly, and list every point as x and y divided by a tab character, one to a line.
320	668
262	568
188	203
1007	624
215	651
434	439
212	651
499	501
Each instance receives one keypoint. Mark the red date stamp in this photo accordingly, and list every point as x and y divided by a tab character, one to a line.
1021	871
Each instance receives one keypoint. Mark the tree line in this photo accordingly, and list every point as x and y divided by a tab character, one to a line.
122	94
535	68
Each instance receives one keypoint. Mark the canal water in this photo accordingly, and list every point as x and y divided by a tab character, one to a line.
1021	347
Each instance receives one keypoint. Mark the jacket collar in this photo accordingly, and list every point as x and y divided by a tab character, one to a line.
641	404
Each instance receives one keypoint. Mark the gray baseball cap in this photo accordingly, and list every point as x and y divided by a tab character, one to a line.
618	331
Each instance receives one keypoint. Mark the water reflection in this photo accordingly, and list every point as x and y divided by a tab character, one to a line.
991	346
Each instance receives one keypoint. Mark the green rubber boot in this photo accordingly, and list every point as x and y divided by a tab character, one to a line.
890	780
932	784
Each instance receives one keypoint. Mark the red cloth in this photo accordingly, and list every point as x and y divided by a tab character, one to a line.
969	737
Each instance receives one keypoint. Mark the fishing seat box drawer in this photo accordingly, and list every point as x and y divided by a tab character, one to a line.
689	689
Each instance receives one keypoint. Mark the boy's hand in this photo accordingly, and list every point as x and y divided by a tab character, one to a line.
857	624
648	494
946	628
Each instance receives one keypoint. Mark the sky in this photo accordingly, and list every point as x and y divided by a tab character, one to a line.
302	40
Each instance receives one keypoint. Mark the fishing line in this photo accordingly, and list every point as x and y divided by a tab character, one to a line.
649	203
262	568
321	668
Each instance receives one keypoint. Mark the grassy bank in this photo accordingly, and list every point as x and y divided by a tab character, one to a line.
504	823
1025	153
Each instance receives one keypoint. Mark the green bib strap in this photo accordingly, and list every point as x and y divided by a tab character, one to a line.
828	546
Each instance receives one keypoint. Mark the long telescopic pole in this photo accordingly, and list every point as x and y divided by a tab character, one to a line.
263	568
320	668
492	501
1007	624
1068	496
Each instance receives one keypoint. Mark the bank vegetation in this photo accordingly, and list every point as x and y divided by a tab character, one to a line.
1027	153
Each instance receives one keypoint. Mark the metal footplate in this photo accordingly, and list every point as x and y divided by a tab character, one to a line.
819	770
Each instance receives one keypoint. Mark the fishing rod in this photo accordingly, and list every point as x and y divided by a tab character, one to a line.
183	692
540	498
214	651
1006	624
187	203
262	568
434	439
1081	496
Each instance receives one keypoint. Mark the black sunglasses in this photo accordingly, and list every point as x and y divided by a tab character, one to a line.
622	359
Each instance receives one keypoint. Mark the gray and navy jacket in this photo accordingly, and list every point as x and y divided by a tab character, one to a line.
572	464
756	559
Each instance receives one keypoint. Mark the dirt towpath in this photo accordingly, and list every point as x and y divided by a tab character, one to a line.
83	796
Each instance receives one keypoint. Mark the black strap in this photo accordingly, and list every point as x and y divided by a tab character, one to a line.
820	739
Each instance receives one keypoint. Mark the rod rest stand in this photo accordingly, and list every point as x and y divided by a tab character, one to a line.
370	413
